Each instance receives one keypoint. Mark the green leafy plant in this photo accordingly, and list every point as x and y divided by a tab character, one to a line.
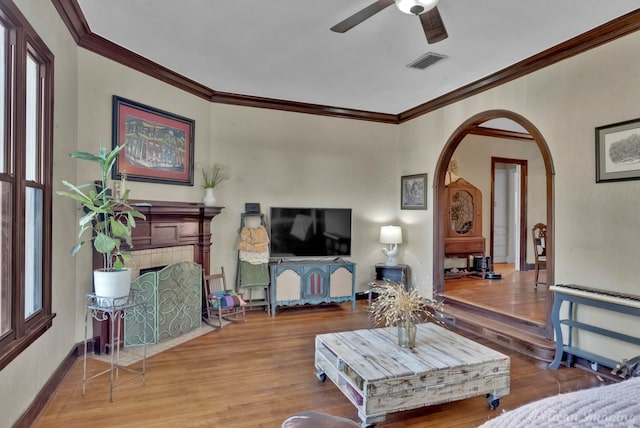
109	221
213	175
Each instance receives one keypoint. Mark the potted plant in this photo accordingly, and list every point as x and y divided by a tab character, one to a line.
212	176
395	306
109	222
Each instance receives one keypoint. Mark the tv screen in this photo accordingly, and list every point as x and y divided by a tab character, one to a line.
310	232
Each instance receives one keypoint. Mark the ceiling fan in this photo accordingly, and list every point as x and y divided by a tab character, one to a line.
427	10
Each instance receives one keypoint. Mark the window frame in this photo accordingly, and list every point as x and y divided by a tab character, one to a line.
23	41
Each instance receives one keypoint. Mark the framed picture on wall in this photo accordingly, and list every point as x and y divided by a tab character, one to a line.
159	144
618	151
413	191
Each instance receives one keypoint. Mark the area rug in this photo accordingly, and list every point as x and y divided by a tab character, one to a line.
133	354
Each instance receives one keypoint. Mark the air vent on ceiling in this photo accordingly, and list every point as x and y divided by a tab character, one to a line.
426	60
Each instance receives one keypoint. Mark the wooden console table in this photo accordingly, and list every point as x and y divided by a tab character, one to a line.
379	377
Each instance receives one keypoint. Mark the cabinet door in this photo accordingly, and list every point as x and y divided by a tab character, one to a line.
314	283
341	282
287	285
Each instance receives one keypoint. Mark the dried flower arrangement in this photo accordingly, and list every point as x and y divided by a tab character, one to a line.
395	305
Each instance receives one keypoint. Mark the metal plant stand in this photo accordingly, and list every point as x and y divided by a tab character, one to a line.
113	310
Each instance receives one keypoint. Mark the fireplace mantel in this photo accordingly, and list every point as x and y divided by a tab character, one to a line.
172	224
167	224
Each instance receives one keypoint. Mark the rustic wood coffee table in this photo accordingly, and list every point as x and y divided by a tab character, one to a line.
379	377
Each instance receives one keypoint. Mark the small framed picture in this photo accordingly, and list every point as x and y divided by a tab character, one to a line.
618	151
413	191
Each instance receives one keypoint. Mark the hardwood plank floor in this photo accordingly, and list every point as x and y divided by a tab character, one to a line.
258	373
514	294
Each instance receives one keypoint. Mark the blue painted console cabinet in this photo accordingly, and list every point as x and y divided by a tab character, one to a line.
312	282
575	296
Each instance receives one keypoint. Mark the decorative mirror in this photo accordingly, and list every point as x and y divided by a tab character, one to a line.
461	212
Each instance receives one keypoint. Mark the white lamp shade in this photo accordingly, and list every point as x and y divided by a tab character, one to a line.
406	6
391	235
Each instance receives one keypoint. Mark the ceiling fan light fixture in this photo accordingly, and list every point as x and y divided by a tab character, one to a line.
415	7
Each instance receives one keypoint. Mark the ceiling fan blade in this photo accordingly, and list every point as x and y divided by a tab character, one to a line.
433	26
362	15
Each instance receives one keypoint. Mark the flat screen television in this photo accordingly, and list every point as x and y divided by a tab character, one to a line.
310	232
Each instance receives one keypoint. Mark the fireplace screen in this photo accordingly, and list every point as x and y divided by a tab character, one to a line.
174	304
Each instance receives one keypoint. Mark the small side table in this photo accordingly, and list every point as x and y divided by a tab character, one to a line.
113	310
398	273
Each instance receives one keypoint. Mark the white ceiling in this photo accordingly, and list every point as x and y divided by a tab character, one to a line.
284	50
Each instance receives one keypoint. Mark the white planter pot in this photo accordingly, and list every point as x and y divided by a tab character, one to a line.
112	287
209	199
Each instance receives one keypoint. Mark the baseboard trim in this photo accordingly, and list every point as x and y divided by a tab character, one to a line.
28	418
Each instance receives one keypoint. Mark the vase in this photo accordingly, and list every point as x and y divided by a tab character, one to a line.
407	334
209	198
112	287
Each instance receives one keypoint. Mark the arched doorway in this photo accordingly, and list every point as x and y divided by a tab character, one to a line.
438	192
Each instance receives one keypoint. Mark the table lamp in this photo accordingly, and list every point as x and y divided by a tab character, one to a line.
391	235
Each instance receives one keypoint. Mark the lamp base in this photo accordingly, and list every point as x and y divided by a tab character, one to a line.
392	256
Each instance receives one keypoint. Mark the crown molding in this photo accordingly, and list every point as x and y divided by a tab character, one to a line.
501	133
598	36
71	14
294	106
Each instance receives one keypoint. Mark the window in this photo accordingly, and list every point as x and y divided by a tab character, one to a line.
26	82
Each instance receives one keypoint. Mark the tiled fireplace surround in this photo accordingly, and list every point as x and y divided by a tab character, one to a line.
158	257
172	232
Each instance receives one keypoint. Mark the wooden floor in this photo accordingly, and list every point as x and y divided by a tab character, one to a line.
258	373
514	294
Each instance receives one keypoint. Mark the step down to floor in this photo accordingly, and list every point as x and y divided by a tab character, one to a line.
502	332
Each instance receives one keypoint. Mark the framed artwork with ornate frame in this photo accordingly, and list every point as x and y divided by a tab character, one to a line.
618	151
413	191
159	144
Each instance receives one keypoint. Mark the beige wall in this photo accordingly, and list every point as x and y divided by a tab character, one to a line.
274	158
24	377
597	226
290	159
597	233
280	158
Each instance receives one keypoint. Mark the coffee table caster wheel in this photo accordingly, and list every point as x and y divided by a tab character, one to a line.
493	401
321	376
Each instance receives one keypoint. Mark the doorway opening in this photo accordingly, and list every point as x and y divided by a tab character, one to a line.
472	126
508	231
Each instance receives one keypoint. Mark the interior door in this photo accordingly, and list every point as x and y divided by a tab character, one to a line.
501	227
508	177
